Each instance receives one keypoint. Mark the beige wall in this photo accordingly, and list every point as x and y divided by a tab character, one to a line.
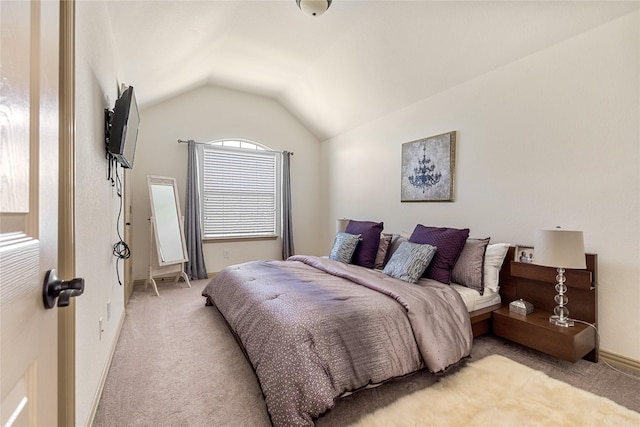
552	139
206	114
96	206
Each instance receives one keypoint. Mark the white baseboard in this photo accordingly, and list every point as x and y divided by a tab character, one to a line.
105	372
621	361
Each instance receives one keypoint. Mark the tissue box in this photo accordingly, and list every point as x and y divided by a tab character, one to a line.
521	306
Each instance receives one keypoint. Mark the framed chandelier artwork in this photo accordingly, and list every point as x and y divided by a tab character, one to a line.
428	169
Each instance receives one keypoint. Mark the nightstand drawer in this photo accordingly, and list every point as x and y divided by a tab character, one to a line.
535	331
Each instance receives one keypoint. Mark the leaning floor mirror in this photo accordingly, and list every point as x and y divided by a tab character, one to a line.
167	249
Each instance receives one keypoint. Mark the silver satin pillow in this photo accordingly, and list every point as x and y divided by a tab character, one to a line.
409	261
344	246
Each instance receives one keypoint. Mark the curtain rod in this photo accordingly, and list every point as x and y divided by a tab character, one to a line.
182	141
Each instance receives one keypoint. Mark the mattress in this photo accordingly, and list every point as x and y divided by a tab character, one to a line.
473	300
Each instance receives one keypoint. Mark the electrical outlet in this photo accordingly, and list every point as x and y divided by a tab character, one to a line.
100	329
226	253
108	310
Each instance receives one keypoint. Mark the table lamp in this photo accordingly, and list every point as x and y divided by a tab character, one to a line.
560	249
341	224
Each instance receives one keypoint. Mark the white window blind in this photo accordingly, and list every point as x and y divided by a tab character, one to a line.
239	192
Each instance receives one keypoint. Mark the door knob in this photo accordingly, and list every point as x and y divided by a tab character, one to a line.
62	290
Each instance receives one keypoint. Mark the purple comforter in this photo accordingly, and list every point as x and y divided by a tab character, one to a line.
314	329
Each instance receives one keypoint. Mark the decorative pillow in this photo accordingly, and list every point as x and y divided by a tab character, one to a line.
344	246
449	242
383	250
493	259
367	249
409	261
395	244
469	269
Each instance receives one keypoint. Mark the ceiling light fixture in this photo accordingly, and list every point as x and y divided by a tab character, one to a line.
313	7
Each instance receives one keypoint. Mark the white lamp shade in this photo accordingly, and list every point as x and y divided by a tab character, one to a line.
341	225
314	7
559	249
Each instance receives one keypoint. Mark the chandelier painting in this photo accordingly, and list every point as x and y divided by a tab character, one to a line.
423	174
428	169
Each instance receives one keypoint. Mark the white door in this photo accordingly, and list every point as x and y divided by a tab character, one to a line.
29	50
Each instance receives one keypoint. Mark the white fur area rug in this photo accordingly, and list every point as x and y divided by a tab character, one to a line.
496	391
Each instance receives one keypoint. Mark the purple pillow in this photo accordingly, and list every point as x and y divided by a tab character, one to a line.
367	249
449	242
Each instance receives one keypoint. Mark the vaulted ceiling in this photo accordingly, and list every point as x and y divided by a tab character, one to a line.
357	62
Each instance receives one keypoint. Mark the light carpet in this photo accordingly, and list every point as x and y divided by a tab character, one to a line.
497	391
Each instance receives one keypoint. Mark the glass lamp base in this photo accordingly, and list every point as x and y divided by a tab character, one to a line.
558	321
561	316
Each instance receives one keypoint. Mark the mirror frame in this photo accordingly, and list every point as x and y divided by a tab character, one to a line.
166	181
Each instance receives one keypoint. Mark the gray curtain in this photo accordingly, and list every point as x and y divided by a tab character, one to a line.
287	222
195	268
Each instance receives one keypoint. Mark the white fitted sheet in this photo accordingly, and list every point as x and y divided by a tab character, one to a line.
472	298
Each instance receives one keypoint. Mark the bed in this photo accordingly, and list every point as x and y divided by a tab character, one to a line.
315	328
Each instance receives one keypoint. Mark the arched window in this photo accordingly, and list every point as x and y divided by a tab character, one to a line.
240	143
240	189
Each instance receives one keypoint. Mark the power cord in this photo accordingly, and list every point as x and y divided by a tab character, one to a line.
120	249
598	346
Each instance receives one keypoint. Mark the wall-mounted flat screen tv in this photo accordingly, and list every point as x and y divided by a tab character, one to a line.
124	128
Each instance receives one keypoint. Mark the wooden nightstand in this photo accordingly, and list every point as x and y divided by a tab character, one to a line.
535	284
535	331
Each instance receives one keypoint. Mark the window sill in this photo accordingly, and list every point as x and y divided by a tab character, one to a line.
239	239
